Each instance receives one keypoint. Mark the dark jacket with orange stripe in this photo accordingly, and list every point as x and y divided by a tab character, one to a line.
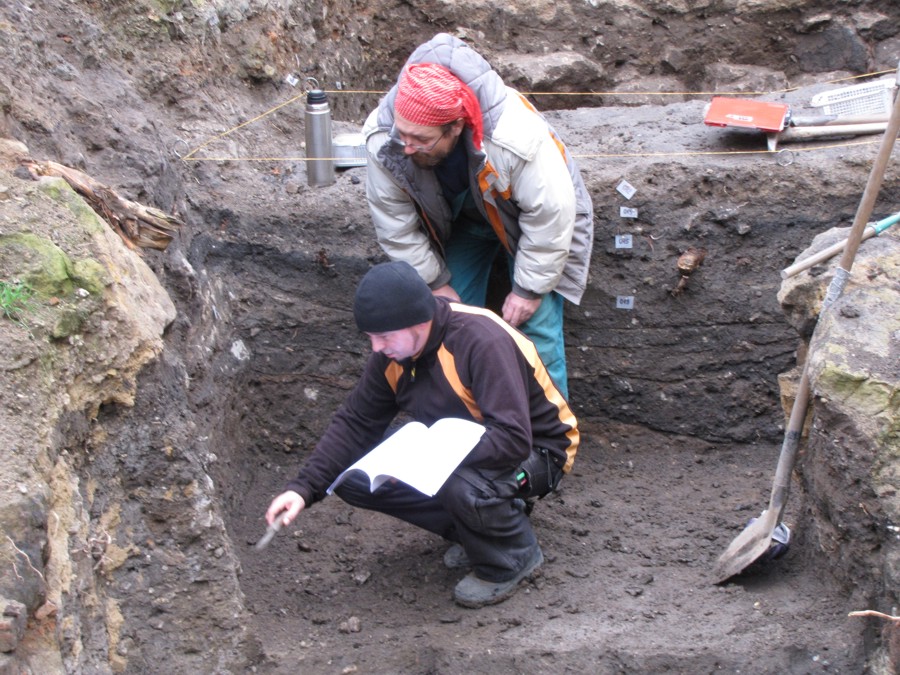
475	367
524	181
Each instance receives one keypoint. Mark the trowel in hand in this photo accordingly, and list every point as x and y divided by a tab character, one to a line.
271	531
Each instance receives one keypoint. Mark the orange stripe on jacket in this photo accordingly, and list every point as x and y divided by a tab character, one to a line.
485	184
526	346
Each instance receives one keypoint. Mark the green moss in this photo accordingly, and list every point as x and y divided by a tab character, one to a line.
90	275
60	191
49	271
859	391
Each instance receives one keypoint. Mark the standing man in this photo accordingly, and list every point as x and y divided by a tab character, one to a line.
460	166
433	358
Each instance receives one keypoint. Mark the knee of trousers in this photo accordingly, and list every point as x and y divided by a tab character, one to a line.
355	491
472	496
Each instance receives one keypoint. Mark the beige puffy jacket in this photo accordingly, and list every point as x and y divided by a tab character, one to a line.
524	181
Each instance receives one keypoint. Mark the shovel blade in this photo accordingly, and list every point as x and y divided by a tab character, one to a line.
748	547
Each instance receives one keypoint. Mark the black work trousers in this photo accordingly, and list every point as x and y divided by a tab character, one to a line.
477	508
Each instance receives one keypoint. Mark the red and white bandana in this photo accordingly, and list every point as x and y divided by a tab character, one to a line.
430	95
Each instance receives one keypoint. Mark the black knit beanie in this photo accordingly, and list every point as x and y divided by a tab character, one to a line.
392	296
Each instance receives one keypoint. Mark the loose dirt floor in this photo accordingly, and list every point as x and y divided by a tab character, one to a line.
678	400
629	541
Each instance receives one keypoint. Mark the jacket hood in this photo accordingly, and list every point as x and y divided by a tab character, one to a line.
466	64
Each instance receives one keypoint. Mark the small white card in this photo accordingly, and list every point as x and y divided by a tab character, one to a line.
624	302
627	212
623	241
626	189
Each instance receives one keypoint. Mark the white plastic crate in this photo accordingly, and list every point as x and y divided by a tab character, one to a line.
872	98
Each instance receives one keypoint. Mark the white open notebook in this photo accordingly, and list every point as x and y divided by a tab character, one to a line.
422	457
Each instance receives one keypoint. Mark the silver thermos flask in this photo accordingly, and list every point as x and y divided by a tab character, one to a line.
319	157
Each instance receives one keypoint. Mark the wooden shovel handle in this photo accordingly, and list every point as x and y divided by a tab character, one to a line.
794	429
876	176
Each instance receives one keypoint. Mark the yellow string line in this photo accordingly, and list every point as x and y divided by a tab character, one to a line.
724	152
189	157
601	155
639	93
243	124
694	93
264	159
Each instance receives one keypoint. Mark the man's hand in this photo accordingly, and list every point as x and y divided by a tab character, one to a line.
285	506
517	310
446	292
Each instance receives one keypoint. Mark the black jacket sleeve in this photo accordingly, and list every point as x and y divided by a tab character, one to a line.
356	428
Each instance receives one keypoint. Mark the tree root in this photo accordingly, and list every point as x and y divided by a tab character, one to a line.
139	226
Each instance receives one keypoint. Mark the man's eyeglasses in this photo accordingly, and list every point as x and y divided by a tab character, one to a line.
395	138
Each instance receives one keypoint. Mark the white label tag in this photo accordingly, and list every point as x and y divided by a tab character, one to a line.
623	241
624	302
626	189
627	212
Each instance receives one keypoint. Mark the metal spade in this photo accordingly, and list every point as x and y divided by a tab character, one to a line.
754	542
